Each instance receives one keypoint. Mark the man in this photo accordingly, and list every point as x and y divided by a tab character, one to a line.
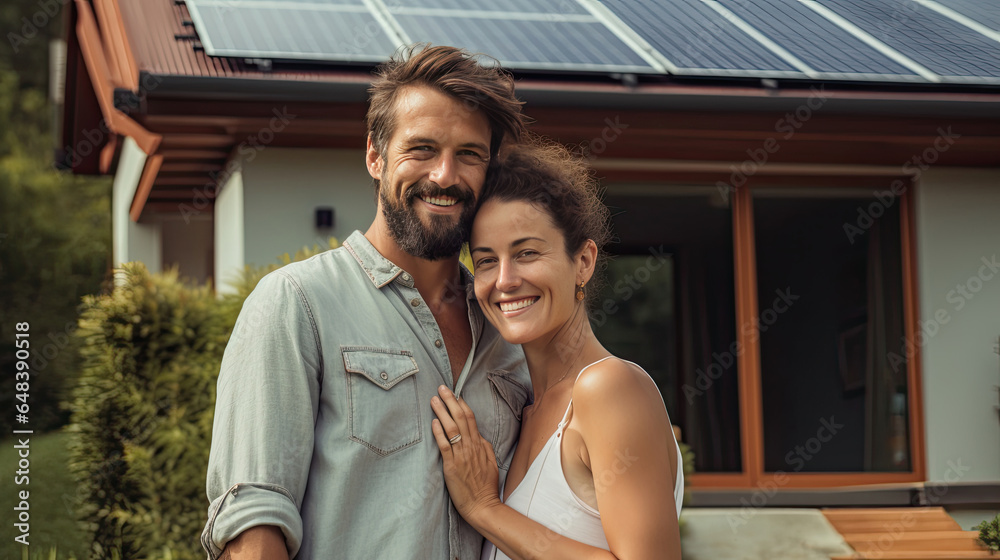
322	445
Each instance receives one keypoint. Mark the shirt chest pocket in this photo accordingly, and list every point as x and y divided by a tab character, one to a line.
509	398
382	394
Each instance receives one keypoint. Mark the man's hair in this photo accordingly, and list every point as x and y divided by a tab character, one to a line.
454	72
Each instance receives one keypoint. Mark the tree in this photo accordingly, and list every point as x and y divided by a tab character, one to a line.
55	233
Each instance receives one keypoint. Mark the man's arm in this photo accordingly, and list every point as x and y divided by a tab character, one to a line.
264	542
265	413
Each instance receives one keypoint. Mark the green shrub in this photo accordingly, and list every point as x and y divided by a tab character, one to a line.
56	554
687	456
687	466
143	409
989	533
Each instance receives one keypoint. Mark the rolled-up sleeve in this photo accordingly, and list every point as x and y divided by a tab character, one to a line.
265	413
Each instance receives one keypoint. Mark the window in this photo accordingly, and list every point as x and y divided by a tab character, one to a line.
830	300
775	322
669	306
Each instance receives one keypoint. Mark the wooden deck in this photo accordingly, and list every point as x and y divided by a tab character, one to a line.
904	534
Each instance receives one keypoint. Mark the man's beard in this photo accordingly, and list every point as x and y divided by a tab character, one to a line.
442	238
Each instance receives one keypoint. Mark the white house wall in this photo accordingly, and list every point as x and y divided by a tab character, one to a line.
958	244
145	244
131	241
282	188
188	246
130	165
229	234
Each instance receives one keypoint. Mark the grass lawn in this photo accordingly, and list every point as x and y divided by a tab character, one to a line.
51	488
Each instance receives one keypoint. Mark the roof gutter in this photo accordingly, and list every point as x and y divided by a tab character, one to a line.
352	87
766	97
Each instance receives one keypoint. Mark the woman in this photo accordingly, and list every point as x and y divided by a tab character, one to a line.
596	472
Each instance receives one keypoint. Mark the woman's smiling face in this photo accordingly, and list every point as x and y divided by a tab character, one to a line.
525	281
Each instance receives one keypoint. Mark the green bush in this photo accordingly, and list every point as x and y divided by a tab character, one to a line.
143	409
687	466
989	533
56	554
55	243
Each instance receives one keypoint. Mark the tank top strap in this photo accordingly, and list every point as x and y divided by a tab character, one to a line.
562	423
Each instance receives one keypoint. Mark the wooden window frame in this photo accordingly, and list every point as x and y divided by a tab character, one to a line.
750	397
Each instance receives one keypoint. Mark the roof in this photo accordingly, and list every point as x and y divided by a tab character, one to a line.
141	67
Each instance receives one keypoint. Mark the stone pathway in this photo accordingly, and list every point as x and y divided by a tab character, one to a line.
759	534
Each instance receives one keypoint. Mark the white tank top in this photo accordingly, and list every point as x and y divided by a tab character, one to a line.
545	496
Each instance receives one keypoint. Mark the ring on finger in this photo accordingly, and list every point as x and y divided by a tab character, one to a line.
453	440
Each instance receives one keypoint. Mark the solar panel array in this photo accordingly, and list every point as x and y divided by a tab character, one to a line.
325	30
917	41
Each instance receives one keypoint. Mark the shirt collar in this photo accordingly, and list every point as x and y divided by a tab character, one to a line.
469	280
381	271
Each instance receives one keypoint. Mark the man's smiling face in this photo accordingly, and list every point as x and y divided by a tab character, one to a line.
432	171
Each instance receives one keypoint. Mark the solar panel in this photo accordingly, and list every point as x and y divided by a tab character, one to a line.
291	3
818	42
697	39
342	30
527	41
523	34
506	6
985	13
951	41
931	39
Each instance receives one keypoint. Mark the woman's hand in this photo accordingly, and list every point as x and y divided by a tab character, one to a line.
470	467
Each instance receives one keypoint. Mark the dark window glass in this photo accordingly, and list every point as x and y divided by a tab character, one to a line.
833	354
669	305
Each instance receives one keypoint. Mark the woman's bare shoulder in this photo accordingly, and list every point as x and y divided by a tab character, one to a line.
615	386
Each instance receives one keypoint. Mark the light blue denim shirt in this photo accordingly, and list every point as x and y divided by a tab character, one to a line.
323	417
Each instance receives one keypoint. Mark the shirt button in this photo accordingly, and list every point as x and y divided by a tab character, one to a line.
415	302
384	375
438	343
406	276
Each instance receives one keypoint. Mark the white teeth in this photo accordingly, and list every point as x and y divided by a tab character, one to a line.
439	201
519	304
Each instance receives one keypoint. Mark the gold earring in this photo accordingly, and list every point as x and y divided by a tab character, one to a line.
580	294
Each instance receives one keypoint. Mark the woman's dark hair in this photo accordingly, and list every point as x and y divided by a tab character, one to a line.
559	183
